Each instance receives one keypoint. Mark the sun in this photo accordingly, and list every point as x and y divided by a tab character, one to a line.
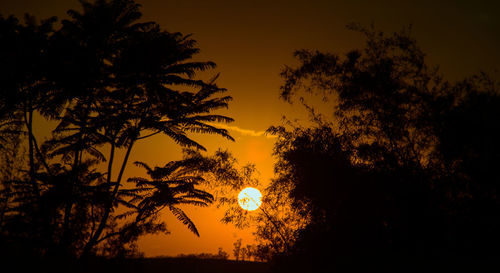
250	199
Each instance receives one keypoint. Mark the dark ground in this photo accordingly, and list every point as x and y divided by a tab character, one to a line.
193	265
142	265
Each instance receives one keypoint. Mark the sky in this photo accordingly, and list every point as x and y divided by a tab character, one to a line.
251	41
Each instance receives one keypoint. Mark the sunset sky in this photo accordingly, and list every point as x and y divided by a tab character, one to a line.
251	41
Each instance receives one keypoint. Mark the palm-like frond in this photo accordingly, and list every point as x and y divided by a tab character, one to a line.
184	219
189	69
125	214
143	165
198	127
194	203
180	137
171	185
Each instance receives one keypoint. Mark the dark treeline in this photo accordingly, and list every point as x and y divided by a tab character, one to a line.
105	81
404	177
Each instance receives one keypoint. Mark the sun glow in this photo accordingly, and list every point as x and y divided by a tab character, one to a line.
250	199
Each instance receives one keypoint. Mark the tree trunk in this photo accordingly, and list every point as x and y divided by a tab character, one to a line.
93	241
32	171
66	236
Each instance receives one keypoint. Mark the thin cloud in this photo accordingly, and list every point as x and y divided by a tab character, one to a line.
245	132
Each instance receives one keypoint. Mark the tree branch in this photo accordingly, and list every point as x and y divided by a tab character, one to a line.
146	136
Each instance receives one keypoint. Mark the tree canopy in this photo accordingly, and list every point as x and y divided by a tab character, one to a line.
107	81
403	173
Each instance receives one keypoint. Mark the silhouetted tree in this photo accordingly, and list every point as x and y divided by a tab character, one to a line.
237	249
172	185
250	252
108	81
402	174
276	220
23	90
221	254
468	131
262	253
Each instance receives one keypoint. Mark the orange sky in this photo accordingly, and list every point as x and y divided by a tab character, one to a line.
252	40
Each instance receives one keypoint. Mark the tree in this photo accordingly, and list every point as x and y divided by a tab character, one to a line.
250	252
237	249
23	92
468	153
221	254
388	177
276	220
107	81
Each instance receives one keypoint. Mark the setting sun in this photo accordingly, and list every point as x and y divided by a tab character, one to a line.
250	199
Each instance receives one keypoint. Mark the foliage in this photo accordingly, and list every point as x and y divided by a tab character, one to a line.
221	255
107	81
404	170
249	252
276	221
237	249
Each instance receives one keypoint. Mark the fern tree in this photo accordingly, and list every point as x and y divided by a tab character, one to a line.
111	81
140	83
169	187
24	91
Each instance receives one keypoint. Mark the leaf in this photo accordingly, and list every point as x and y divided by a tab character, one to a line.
144	165
184	219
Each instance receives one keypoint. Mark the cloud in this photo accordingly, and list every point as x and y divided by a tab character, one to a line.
245	132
